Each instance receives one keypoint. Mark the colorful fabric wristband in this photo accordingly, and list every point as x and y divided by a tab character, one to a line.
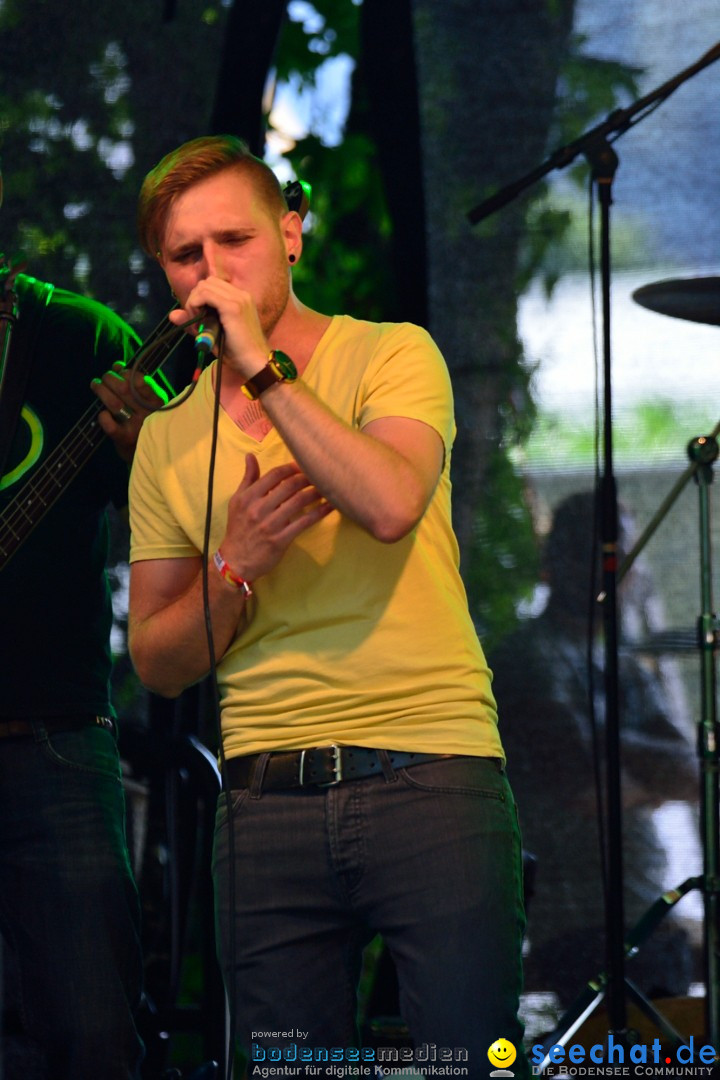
234	579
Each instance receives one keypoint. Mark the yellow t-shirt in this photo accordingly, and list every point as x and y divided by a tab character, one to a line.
348	640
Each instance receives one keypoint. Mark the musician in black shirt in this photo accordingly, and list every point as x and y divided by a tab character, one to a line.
69	908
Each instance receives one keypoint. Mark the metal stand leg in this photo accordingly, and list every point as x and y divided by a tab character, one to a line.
595	991
704	451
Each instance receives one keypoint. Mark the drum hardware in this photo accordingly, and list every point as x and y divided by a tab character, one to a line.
695	299
595	146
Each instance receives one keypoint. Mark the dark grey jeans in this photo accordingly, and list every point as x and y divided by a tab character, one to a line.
431	859
68	902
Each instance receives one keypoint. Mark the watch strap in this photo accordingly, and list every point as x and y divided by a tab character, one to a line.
272	373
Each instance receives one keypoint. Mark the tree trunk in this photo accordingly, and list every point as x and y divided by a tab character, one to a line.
487	72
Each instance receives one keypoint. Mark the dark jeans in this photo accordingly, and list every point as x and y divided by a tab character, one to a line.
431	859
68	902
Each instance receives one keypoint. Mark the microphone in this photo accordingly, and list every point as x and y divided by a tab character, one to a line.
209	332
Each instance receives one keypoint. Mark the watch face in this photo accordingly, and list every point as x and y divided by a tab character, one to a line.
284	364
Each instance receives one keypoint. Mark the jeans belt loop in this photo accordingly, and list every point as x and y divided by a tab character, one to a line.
389	772
258	776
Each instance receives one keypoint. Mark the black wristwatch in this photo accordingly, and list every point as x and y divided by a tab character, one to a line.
279	368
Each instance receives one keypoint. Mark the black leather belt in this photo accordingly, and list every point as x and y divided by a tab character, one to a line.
321	766
10	728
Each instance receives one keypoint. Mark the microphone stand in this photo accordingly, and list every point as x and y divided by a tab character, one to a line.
616	123
595	146
604	162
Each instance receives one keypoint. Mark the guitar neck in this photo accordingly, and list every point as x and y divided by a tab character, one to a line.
64	463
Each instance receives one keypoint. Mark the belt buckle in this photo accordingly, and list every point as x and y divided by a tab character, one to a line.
337	766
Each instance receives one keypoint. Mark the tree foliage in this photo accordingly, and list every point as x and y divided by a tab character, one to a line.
484	123
450	99
91	95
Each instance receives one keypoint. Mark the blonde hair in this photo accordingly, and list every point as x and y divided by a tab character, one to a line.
188	165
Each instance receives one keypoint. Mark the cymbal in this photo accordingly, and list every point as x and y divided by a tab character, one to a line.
696	299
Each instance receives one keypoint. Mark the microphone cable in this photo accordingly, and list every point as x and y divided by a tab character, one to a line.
297	196
226	793
151	355
169	341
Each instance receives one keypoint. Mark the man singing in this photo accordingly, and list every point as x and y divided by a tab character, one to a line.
367	775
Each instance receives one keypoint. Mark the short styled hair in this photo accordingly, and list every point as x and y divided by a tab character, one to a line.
188	165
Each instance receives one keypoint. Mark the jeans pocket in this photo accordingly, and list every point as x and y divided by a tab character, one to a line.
238	799
91	750
482	777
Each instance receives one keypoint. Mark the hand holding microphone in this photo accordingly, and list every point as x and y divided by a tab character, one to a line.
226	322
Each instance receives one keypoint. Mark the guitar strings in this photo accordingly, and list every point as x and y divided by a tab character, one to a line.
64	462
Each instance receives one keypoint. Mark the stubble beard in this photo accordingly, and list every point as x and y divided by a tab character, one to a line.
274	303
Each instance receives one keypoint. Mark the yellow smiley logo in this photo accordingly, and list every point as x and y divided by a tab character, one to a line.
502	1053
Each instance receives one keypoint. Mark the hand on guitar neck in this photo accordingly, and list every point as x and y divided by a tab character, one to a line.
126	406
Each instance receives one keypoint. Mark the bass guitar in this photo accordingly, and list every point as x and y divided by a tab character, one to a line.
63	464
